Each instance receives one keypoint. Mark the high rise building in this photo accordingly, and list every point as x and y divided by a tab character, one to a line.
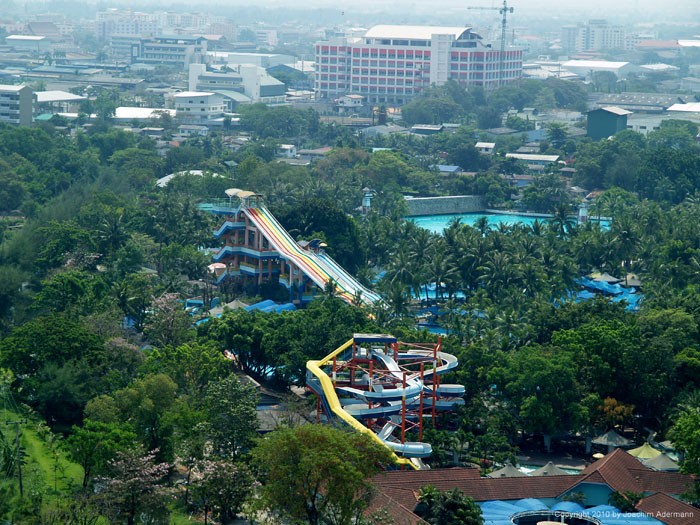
391	64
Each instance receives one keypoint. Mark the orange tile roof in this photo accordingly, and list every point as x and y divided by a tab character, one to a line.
619	470
669	510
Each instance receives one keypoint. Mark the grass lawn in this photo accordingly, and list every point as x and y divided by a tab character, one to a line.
38	452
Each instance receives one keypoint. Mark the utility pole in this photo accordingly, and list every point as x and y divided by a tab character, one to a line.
504	11
19	455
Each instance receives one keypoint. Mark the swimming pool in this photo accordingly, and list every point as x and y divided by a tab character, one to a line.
437	223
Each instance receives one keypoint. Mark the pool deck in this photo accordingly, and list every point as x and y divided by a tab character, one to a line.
541	459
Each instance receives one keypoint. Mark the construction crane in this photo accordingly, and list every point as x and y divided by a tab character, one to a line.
504	11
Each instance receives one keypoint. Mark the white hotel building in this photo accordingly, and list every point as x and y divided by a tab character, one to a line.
391	64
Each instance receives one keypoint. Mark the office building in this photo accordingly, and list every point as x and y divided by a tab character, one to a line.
17	104
198	106
391	64
245	84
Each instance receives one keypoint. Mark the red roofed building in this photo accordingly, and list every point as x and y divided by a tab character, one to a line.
616	472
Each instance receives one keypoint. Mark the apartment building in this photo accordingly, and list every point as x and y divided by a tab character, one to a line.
177	51
391	64
595	35
124	22
17	105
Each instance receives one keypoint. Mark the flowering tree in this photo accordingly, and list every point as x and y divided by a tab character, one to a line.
134	488
169	323
222	486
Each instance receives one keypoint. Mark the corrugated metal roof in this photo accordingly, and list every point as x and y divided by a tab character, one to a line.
57	96
692	107
413	32
616	111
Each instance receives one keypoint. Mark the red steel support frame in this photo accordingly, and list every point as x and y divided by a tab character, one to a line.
403	410
420	410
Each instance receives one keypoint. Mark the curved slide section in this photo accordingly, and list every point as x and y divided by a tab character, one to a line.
383	403
330	399
319	270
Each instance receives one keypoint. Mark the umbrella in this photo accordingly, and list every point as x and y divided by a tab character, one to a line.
605	278
661	462
646	451
550	469
509	471
633	280
612	438
666	445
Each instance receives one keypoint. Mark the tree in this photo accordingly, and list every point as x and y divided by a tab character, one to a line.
133	488
169	324
192	366
145	406
318	473
557	134
321	217
625	501
444	508
232	421
94	444
223	486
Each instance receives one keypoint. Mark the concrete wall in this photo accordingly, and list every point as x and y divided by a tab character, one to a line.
445	205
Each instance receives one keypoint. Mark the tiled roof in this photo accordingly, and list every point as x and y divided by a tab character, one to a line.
661	481
619	470
615	470
622	472
400	515
403	486
669	510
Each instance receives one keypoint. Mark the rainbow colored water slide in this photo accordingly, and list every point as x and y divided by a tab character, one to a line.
319	270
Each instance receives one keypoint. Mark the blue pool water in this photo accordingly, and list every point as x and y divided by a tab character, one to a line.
437	223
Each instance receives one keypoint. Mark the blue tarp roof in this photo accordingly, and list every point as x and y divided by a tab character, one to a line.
260	306
500	512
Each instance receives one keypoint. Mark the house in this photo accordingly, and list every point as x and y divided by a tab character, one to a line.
485	147
427	129
347	103
287	151
313	154
191	129
445	169
533	159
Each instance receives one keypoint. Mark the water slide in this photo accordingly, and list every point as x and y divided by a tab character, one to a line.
383	402
319	267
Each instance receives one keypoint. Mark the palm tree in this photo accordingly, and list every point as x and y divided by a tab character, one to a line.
536	228
625	240
482	225
561	222
112	231
400	269
440	267
397	299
